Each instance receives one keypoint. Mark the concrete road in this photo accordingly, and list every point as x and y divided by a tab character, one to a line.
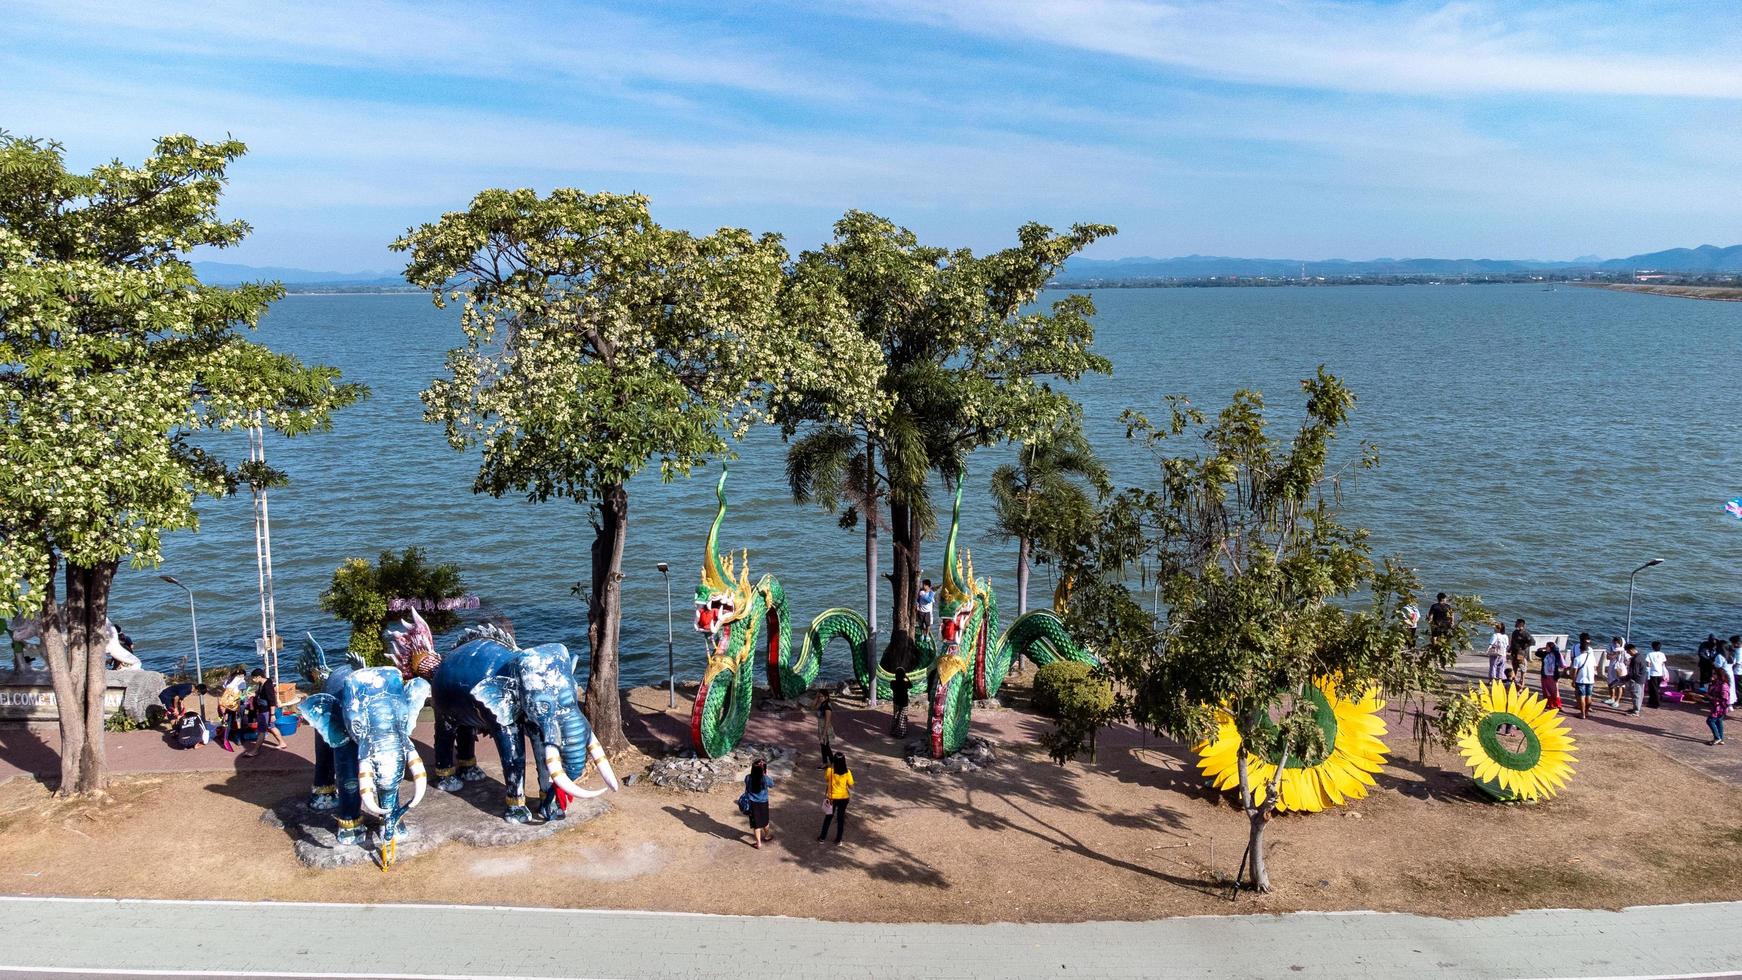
47	937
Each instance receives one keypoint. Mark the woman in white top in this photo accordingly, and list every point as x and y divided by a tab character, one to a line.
1497	647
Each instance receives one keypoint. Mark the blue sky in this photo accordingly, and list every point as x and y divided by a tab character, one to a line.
1303	129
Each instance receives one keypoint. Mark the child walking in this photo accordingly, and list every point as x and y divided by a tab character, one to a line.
1719	693
838	783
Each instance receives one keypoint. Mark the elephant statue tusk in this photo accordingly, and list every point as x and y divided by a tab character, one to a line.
553	763
366	788
597	752
419	780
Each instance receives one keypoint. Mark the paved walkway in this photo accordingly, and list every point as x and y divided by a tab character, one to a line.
285	939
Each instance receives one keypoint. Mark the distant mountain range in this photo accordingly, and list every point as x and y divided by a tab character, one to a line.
1705	259
228	274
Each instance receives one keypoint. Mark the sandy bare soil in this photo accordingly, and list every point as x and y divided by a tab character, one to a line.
1134	835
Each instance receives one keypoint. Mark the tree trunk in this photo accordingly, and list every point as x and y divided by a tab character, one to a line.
605	618
871	593
1258	877
92	778
1021	576
74	643
904	586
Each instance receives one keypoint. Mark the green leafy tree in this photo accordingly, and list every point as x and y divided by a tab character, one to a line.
360	593
965	363
597	342
113	357
1264	590
1046	499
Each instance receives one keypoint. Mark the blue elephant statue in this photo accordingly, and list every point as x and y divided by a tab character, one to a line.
488	684
363	717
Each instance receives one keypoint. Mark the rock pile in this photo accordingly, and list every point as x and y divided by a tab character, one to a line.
977	754
473	816
699	775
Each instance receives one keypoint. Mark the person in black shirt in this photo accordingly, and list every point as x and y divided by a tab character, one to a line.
265	707
1439	619
1708	654
898	689
174	698
1518	648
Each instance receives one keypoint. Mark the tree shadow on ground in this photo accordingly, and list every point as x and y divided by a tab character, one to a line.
701	822
1431	782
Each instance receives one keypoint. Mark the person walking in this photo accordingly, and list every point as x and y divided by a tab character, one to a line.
1657	668
1440	619
899	686
1638	669
1498	645
1614	671
1551	672
1735	668
1584	673
1518	649
838	788
756	786
265	708
826	727
1718	692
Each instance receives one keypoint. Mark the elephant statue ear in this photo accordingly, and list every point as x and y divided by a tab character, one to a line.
417	691
321	711
501	695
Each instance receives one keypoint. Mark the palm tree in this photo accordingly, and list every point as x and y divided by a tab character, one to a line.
1044	500
835	467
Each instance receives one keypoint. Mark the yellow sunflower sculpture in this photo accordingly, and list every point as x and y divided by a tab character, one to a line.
1354	751
1519	749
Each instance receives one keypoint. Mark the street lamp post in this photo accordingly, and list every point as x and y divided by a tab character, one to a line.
1630	578
199	671
670	658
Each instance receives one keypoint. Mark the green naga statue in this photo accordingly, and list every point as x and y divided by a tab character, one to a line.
971	664
734	616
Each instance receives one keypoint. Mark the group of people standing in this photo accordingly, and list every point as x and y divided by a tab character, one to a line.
837	784
1625	668
1627	672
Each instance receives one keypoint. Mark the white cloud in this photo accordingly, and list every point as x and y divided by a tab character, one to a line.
1408	48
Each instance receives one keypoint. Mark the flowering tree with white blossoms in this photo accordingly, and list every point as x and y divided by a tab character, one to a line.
597	341
113	356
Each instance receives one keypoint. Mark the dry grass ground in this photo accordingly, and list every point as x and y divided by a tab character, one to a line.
1134	835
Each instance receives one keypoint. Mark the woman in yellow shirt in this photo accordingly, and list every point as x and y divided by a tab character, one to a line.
838	782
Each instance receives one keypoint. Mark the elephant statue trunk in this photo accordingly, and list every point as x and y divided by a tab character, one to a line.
364	717
517	694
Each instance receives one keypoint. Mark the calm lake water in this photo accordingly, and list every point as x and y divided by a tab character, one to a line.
1538	445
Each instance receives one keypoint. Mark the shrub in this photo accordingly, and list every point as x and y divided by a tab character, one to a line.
360	591
1079	700
1051	681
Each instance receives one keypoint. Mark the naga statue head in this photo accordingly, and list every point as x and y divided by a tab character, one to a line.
412	647
724	595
